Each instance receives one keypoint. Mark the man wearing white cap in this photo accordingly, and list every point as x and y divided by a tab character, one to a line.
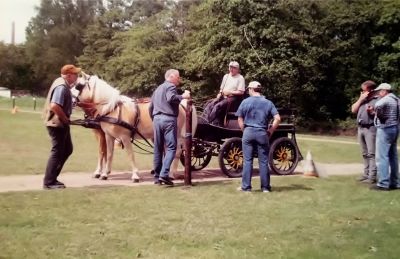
231	90
387	122
253	117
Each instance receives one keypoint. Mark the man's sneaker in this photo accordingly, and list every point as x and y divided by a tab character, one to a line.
265	190
166	180
241	190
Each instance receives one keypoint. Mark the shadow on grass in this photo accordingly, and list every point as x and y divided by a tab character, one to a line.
292	187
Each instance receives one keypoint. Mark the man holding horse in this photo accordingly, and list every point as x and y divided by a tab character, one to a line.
164	110
58	109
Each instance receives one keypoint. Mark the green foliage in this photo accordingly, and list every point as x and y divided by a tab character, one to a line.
311	55
15	70
54	36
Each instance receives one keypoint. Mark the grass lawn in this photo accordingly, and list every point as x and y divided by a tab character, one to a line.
301	218
25	146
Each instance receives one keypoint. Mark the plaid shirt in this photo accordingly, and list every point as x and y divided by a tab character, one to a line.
387	111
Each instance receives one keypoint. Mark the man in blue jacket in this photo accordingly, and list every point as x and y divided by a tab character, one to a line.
164	109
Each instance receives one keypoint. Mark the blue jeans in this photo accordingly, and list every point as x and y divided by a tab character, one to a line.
255	139
165	130
386	157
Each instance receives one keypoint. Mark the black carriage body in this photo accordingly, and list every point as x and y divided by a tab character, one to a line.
225	142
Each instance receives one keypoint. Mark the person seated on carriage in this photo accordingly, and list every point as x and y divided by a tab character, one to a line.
229	97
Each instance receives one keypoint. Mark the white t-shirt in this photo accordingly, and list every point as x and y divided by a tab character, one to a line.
233	83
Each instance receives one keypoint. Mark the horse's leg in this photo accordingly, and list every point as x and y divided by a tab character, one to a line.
110	152
126	140
176	162
101	141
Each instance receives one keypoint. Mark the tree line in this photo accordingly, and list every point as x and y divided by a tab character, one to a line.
311	55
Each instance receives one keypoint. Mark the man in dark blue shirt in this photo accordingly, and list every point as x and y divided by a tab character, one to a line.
254	113
58	110
164	110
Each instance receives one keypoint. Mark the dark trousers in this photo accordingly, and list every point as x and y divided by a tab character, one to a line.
221	107
60	151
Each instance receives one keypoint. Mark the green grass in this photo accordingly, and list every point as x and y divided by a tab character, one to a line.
25	146
302	218
25	103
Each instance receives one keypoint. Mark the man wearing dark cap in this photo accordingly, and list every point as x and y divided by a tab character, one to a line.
58	109
366	129
254	114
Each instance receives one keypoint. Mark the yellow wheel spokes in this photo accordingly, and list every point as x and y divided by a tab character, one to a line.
284	158
235	157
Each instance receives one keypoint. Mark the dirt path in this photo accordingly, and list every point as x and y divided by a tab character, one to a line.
83	179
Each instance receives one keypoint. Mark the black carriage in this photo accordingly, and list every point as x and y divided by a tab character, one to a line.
226	143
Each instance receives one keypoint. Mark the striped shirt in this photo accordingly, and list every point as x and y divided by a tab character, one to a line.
387	111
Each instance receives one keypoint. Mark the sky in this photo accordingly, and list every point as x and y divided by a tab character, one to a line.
19	11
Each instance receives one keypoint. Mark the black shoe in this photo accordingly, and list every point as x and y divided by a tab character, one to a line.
393	187
378	188
53	186
58	183
166	180
156	181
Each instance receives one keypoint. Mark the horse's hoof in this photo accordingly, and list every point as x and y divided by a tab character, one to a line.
96	176
103	177
135	180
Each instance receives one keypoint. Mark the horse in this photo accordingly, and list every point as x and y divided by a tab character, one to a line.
123	119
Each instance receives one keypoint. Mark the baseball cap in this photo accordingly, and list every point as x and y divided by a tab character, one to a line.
254	84
234	64
70	69
384	86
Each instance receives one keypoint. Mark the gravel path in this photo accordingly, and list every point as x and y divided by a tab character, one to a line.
84	179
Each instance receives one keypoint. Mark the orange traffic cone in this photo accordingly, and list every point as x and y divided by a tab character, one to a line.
14	110
309	166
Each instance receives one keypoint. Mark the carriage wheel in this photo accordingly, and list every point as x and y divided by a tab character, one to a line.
230	157
201	155
283	156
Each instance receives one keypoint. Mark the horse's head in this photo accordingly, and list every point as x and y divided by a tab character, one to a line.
92	92
83	91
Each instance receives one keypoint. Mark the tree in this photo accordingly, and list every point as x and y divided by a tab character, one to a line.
15	71
54	36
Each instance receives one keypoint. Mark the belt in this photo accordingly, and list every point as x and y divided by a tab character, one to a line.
365	125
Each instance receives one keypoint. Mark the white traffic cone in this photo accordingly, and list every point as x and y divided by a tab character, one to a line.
309	167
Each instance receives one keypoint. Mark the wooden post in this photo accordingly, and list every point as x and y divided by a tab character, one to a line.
13	101
34	103
188	144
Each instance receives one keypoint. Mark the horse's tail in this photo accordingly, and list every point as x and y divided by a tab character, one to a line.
194	117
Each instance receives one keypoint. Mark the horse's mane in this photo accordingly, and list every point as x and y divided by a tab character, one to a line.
105	94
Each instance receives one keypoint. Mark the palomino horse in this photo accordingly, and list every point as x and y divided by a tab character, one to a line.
121	118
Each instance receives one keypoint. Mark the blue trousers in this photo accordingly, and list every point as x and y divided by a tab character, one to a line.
386	157
165	135
255	139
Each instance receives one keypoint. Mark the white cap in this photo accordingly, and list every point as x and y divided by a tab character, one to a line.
383	86
234	64
254	84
